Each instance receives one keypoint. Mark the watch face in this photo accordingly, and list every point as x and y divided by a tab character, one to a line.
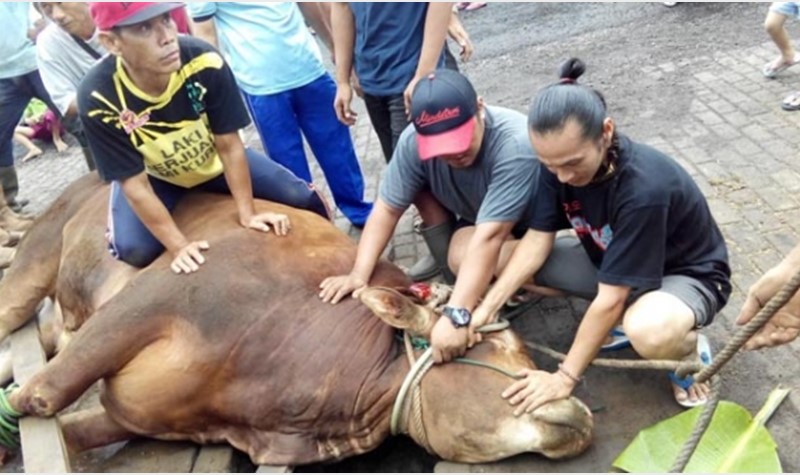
459	316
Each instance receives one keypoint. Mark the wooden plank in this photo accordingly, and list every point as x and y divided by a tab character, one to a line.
43	448
274	469
214	459
150	456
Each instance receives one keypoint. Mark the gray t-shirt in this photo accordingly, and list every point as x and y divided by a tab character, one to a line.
497	188
63	63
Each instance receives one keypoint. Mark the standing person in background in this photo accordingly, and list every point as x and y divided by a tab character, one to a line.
391	46
279	69
65	51
19	83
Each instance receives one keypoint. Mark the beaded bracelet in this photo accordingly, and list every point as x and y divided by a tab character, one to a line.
568	374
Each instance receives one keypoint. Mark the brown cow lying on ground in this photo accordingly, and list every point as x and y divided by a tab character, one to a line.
244	352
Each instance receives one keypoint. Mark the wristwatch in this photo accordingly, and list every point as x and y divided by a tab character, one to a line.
459	316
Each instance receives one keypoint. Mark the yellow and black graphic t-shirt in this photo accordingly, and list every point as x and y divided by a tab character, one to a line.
170	136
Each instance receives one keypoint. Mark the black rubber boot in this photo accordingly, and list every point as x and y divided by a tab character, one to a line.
438	240
10	184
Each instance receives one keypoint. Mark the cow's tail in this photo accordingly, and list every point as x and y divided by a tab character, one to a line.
32	275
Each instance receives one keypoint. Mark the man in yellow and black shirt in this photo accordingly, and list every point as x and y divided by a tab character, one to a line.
162	115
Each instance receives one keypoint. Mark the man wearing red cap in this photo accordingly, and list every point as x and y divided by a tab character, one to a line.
162	115
471	172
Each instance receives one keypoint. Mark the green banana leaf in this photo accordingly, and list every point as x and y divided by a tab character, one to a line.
735	442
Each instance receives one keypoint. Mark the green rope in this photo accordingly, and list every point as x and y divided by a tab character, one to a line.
9	419
481	364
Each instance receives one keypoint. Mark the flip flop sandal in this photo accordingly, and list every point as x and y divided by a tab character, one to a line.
770	69
619	340
791	102
704	353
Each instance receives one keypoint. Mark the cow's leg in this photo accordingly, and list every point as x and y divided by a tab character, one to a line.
32	275
113	336
47	336
84	430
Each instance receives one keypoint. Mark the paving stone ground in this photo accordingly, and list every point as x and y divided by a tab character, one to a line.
743	152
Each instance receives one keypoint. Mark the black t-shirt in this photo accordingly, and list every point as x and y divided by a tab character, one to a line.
170	136
648	220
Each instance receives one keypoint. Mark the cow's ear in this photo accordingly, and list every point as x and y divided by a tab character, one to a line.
398	310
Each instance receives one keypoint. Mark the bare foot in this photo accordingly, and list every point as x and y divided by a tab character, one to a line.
696	395
33	153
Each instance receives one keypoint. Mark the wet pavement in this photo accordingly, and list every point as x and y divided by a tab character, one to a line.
685	80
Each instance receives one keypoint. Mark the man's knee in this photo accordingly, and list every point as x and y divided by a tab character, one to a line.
657	324
136	254
774	22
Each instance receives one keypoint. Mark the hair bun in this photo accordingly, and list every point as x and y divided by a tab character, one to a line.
571	70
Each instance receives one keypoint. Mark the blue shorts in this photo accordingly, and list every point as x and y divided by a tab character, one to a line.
787	9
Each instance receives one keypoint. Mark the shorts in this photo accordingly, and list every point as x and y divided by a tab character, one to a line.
787	9
569	269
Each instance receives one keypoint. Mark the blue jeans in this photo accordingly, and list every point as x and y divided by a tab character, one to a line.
130	241
15	94
281	117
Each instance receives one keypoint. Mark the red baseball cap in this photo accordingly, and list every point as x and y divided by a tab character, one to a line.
107	15
443	109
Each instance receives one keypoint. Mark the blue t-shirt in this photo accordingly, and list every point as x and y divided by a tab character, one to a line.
388	44
17	52
267	45
648	220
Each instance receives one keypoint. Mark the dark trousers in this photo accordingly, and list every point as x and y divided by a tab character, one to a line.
388	117
15	94
130	240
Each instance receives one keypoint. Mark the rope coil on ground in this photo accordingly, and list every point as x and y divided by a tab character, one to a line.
9	420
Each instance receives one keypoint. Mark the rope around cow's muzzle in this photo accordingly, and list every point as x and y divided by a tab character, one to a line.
9	420
419	368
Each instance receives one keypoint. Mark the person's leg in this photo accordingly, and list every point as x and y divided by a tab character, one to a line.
449	60
459	245
23	134
129	240
14	97
378	112
332	145
661	324
775	26
37	89
567	270
57	140
74	126
435	225
279	130
274	182
398	118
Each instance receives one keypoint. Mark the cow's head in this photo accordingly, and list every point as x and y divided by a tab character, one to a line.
464	417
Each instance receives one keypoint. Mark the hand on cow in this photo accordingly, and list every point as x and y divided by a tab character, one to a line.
784	326
537	388
262	222
189	258
448	342
338	287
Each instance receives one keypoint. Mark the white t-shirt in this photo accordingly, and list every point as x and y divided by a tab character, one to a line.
63	63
